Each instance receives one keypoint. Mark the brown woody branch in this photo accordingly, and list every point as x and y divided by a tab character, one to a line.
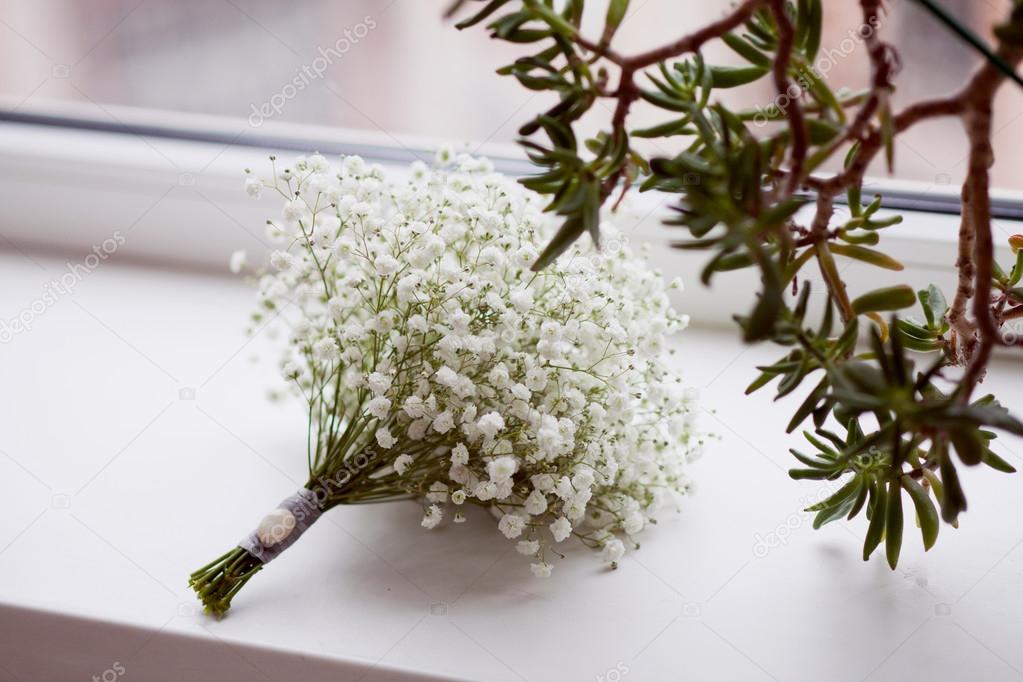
628	92
691	42
973	338
978	104
790	105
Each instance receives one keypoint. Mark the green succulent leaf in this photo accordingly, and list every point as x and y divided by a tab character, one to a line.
877	512
616	10
881	260
893	524
926	513
885	299
953	500
734	76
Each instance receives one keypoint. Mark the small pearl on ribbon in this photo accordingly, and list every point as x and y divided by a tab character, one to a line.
275	527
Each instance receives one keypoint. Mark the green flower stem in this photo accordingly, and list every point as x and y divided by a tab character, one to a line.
216	583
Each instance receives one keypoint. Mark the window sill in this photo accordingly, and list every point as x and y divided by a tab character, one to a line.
149	448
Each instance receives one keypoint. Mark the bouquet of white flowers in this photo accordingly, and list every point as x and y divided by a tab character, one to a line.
438	367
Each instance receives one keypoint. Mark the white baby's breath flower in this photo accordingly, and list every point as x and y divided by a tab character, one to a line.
326	349
384	438
560	529
408	287
633	523
416	321
281	260
522	299
438	492
379	407
386	265
433	517
318	163
490	423
583	478
238	261
443	422
414	407
253	186
445	155
536	503
525	256
563	488
486	490
460	454
527	547
511	525
295	210
502	468
291	371
378	383
536	379
613	550
401	463
541	570
542	482
446	376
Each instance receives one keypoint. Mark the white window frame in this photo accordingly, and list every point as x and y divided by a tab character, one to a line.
172	183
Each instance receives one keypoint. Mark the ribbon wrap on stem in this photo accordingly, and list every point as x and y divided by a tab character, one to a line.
283	526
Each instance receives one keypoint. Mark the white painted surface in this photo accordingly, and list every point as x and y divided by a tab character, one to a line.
132	414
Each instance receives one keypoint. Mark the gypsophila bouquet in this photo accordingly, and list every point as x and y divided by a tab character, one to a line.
438	367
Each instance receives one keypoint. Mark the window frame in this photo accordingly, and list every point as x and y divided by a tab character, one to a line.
188	209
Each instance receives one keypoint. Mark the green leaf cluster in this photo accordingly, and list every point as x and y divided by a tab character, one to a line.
886	430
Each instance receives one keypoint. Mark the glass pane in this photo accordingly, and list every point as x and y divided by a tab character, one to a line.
398	69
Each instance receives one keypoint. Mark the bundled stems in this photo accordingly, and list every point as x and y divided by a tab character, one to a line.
217	582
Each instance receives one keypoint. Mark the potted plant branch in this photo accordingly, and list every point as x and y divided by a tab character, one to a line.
892	403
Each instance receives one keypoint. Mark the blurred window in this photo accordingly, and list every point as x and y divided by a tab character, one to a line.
396	68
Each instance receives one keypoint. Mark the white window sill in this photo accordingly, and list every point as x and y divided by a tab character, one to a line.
117	485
